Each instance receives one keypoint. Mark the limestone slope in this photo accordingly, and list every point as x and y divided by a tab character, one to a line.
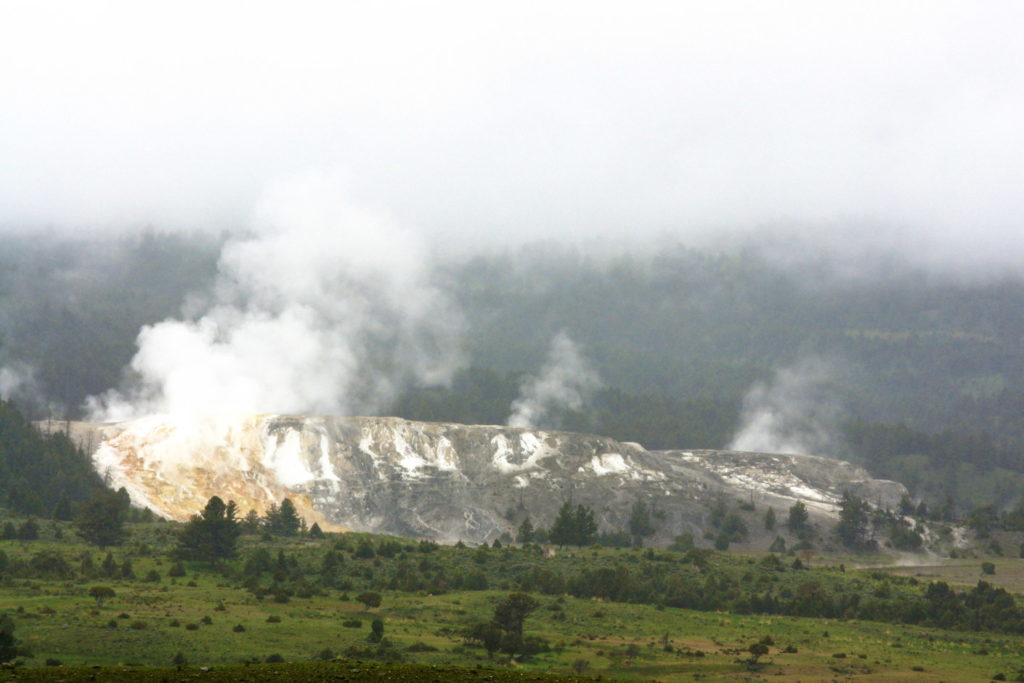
449	481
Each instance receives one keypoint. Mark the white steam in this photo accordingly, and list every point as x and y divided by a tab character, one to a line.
566	382
323	307
15	379
795	413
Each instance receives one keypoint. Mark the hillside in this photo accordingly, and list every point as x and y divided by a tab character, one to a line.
450	482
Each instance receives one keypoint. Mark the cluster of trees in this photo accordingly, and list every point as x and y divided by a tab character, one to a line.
575	525
41	475
698	579
212	534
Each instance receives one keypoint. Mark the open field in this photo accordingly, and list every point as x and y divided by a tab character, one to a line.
213	620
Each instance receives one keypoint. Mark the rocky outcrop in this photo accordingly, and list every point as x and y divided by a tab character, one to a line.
449	481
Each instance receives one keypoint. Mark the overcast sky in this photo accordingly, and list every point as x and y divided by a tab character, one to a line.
521	121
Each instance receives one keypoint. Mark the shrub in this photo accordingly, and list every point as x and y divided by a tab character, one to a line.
370	598
138	625
191	627
352	623
206	621
988	568
273	619
177	569
274	659
238	628
421	647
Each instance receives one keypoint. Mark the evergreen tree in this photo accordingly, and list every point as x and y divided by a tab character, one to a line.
62	510
100	519
585	526
525	533
251	522
315	531
640	525
573	526
29	530
212	534
769	519
797	516
8	643
563	530
284	520
853	521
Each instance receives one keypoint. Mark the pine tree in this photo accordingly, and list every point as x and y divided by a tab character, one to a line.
8	643
100	519
797	516
769	519
283	520
640	525
526	532
853	520
62	510
563	530
212	534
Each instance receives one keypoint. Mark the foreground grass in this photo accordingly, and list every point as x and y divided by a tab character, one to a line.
212	621
341	670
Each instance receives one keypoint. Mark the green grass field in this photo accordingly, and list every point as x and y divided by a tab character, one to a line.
214	621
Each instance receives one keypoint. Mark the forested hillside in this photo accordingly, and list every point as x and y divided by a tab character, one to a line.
924	373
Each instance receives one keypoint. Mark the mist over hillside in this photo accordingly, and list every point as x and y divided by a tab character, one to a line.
684	347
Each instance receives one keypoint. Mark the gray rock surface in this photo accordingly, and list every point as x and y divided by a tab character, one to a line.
449	481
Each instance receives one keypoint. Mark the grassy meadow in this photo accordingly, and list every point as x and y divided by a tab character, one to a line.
229	622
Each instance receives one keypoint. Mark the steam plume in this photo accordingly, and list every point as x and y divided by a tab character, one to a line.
795	413
566	381
15	378
323	307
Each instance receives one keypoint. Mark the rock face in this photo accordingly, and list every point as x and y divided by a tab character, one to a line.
448	481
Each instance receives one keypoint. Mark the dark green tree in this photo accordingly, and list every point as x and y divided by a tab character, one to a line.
853	521
212	534
563	531
8	643
797	520
525	533
315	531
101	594
510	617
769	519
62	510
574	526
283	520
100	519
640	524
29	530
369	599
